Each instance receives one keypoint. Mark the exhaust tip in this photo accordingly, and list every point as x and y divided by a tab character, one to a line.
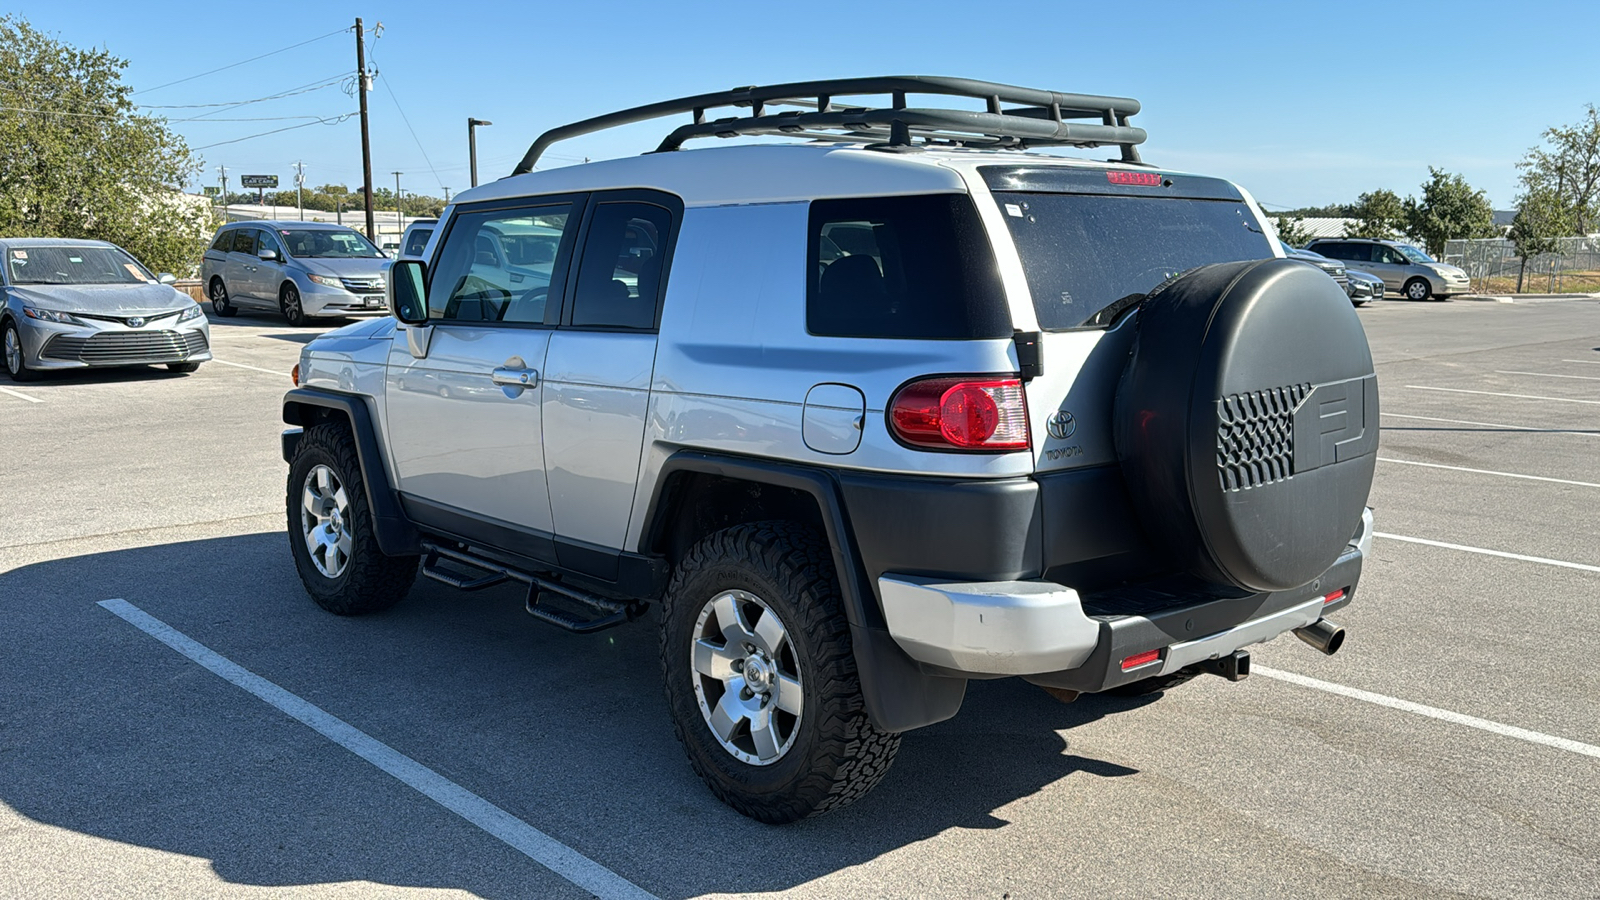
1323	635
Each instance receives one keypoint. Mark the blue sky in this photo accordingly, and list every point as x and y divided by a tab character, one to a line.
1303	104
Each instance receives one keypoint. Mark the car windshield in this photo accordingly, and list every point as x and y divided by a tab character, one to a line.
329	244
1413	254
74	265
1089	256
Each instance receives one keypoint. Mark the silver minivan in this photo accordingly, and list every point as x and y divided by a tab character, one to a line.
1404	269
304	270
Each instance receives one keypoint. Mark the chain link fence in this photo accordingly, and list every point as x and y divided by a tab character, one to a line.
1494	266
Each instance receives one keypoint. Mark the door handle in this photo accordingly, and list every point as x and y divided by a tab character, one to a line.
523	378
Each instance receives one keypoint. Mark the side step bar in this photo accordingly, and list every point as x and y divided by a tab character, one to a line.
593	613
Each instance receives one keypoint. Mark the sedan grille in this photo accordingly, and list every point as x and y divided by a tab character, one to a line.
126	348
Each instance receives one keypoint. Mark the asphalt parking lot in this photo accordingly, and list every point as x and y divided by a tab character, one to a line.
1451	749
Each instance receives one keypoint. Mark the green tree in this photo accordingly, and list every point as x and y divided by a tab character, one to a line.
1293	231
1449	209
1379	214
77	161
1568	169
1543	218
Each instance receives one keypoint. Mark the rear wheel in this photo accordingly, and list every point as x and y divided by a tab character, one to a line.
330	529
289	303
1417	289
760	676
221	303
16	358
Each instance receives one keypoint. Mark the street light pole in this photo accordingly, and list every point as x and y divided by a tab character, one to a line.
398	216
472	145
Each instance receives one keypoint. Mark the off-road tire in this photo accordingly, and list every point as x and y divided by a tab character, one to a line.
221	303
837	755
21	373
371	581
183	368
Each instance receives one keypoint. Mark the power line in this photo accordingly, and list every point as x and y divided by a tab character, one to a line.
306	88
413	131
243	61
332	120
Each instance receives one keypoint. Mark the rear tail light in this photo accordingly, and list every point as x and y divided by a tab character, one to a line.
961	414
294	374
1141	659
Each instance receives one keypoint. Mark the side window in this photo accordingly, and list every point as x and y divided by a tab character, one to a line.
244	241
418	241
620	277
224	242
903	267
269	241
475	279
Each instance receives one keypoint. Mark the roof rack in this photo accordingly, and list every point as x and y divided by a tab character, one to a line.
1039	118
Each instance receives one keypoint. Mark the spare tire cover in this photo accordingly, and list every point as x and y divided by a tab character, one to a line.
1247	422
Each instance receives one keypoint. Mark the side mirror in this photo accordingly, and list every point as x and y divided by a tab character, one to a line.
407	291
167	278
268	255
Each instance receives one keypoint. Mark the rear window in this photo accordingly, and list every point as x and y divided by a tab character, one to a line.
1088	257
903	267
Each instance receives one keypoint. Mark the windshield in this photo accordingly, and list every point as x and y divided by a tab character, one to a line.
74	265
1083	253
329	244
1413	254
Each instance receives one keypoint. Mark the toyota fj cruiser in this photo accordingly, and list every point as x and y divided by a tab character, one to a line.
865	416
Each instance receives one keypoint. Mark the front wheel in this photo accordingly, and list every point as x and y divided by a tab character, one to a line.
1418	289
16	356
331	532
760	677
183	368
289	303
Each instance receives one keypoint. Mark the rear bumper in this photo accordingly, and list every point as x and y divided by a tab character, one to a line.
1052	635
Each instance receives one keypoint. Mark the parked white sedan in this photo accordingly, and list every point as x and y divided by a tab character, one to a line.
72	304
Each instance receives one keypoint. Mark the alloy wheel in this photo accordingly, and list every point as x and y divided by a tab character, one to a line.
325	521
13	351
746	677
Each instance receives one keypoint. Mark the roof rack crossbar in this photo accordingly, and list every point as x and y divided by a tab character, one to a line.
1039	117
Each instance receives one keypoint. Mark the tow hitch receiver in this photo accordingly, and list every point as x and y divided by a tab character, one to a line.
1234	667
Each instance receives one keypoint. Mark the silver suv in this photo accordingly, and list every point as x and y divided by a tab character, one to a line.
1404	269
864	417
304	270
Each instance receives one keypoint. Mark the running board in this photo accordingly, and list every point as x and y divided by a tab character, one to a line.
580	611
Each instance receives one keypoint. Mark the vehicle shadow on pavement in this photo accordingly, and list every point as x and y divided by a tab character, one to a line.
109	733
102	375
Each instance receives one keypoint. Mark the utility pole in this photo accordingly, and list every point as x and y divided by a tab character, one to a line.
299	185
364	84
446	196
224	171
399	218
472	145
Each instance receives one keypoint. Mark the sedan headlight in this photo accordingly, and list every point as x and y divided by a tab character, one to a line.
50	315
193	312
329	280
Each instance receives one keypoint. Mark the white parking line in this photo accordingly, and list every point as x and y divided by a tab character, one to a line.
20	395
1587	362
519	835
1432	712
1495	425
1408	462
251	368
1549	375
1582	567
1420	387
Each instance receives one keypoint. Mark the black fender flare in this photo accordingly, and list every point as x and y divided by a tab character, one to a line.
898	694
396	535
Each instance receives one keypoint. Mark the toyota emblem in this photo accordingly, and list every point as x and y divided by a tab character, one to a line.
1062	425
136	322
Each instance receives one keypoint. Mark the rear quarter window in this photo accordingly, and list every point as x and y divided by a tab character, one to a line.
903	267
